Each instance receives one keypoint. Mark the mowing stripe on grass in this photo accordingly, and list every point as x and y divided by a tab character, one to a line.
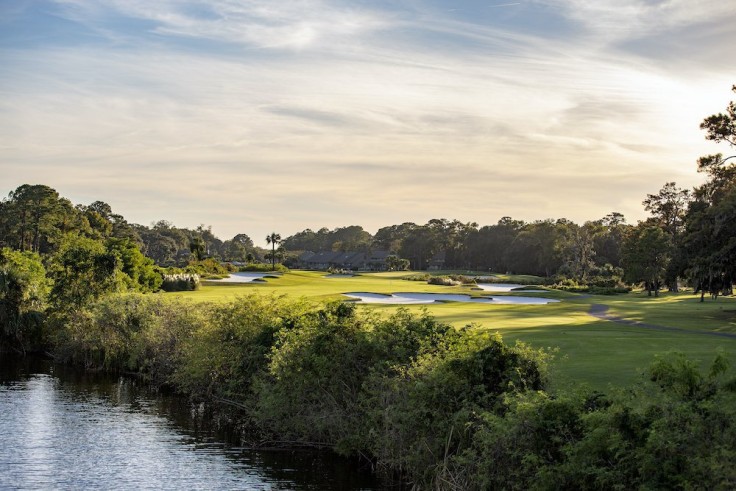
600	311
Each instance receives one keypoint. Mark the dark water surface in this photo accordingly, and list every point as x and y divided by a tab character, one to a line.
64	429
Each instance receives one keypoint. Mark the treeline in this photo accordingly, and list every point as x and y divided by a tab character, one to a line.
428	404
35	218
689	236
542	248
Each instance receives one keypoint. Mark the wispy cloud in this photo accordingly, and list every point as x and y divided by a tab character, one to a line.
291	24
345	112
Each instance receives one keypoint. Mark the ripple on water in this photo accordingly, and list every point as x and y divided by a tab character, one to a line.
73	434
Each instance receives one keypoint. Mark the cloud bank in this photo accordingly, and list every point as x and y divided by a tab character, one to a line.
257	116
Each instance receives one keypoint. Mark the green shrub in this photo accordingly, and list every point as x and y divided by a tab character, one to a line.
394	388
417	277
677	434
442	280
130	332
209	268
423	414
23	293
180	282
223	355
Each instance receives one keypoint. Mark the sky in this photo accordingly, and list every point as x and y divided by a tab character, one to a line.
260	116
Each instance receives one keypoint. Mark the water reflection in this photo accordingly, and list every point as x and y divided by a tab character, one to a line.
60	428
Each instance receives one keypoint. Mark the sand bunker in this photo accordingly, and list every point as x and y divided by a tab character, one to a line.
243	277
505	287
427	298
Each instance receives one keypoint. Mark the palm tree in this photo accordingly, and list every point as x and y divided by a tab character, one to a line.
273	239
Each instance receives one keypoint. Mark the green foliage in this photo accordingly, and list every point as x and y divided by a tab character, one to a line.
35	217
596	286
393	388
209	268
451	280
138	272
423	413
316	371
440	407
274	239
132	332
681	435
23	293
350	238
443	281
198	248
82	271
646	254
709	228
417	277
395	263
224	354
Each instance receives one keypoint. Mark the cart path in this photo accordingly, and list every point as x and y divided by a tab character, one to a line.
600	311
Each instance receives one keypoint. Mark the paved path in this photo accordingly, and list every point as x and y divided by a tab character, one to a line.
600	311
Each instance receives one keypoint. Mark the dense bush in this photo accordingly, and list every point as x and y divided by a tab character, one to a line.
451	280
225	353
129	332
417	277
677	434
392	388
209	268
180	282
528	280
23	293
439	407
136	272
570	285
442	280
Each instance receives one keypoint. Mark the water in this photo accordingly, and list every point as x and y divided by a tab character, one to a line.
429	298
62	429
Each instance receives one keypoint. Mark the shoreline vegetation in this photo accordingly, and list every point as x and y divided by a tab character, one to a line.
428	404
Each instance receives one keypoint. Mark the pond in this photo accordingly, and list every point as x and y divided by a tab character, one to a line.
428	298
64	429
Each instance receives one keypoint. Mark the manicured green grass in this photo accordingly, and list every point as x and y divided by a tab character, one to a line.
590	351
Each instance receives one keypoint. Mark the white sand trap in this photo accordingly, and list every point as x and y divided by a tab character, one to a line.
510	299
244	277
505	288
427	298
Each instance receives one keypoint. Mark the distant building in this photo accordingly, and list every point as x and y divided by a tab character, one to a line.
438	261
324	260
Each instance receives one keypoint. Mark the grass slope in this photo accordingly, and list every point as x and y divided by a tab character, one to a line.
591	351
